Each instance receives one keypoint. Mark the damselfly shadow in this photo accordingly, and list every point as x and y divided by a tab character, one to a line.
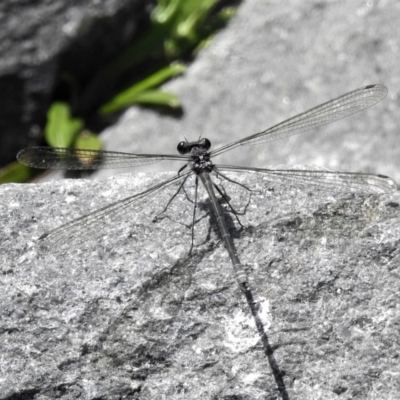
197	156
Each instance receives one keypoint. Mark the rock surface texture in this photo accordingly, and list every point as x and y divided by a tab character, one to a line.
122	310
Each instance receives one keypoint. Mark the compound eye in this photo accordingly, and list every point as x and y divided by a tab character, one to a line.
182	148
205	143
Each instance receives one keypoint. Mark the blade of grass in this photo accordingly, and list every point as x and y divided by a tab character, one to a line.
176	26
131	95
158	98
15	172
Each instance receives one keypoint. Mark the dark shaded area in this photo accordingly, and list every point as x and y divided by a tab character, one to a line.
28	394
81	54
49	49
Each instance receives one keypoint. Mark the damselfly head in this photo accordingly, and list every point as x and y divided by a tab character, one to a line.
186	147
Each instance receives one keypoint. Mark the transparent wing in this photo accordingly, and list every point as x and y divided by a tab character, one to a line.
74	159
324	180
323	114
61	239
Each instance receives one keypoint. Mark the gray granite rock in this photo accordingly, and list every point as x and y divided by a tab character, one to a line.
124	312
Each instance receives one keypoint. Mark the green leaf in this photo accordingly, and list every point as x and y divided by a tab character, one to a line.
165	11
131	95
183	21
61	128
88	140
15	172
